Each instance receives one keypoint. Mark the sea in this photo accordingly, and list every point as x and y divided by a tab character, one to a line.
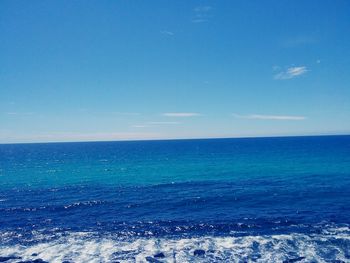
282	199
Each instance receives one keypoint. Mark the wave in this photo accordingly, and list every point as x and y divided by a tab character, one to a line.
72	205
331	245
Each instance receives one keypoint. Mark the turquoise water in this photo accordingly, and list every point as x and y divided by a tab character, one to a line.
159	162
218	200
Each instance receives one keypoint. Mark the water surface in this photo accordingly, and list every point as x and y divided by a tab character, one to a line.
254	199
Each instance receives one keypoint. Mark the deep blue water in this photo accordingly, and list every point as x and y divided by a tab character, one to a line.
255	199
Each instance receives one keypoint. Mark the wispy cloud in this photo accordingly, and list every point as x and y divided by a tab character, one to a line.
276	68
19	113
167	33
270	117
155	123
181	114
127	113
291	72
201	14
163	122
299	41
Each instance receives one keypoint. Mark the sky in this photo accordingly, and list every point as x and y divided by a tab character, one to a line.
125	70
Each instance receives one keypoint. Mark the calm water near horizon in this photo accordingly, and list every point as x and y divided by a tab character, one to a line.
283	199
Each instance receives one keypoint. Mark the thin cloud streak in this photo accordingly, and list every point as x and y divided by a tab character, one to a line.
155	123
166	32
291	72
202	9
299	41
181	114
19	113
127	113
270	117
163	122
201	14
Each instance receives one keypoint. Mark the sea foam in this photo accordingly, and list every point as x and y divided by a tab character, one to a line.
330	245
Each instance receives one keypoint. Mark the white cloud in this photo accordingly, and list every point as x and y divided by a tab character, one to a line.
291	72
127	113
201	14
167	114
155	123
181	114
163	122
19	113
202	9
270	117
166	32
199	20
299	41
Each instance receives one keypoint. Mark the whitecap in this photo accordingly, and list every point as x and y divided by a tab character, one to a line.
331	244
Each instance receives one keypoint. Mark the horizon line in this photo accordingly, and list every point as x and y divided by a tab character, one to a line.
184	139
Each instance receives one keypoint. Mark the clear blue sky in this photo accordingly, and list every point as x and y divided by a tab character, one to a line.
109	70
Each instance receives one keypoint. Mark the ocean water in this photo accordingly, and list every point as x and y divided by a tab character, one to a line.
216	200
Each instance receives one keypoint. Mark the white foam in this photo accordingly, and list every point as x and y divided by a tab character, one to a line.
87	247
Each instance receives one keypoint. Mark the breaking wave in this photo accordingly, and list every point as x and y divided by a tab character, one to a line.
332	244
